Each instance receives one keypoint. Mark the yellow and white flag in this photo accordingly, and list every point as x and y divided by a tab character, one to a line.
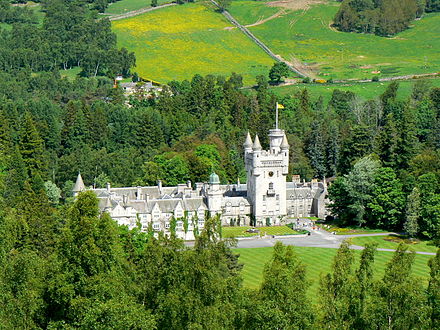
280	106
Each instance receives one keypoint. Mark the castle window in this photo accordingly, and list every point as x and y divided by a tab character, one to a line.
156	226
167	225
264	198
278	197
271	184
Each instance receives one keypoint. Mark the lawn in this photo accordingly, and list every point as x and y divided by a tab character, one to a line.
365	91
241	231
351	230
391	242
309	37
123	6
175	43
318	261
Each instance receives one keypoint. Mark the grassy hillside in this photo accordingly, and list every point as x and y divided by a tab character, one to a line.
318	261
308	36
124	6
365	91
177	42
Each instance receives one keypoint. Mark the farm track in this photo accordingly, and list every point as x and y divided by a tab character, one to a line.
137	12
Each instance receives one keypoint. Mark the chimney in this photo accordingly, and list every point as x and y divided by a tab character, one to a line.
159	186
124	199
138	193
108	187
188	184
147	198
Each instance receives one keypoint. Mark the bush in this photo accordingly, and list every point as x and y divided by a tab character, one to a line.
306	80
375	79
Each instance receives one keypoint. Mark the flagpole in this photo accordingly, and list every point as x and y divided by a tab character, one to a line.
276	116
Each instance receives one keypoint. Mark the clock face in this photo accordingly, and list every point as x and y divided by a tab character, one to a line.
271	174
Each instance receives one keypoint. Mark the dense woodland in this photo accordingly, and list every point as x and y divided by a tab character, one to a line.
381	17
63	265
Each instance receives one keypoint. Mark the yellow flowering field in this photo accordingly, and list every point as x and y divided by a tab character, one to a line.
177	42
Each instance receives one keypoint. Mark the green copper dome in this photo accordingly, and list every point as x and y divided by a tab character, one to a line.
214	179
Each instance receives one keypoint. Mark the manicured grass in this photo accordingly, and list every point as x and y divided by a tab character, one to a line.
177	42
391	242
318	262
365	91
352	230
241	231
123	6
308	36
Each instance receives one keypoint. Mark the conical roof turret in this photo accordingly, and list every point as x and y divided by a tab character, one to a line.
248	143
284	144
79	184
257	144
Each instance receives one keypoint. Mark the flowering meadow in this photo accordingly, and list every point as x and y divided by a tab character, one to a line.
177	42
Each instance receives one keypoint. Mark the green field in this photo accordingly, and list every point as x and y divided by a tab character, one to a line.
177	42
228	232
318	261
309	37
365	91
124	6
391	242
249	12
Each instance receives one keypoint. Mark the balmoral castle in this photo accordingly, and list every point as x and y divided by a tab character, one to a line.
267	198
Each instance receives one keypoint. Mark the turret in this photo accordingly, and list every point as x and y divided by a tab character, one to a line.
79	185
247	145
257	144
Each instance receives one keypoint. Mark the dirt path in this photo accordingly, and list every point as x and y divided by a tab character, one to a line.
137	12
262	21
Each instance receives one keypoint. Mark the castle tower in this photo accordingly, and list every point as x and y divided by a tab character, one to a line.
79	185
214	195
266	177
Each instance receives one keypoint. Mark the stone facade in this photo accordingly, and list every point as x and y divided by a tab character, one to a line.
267	197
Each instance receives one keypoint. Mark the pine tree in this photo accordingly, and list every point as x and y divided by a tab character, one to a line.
413	210
31	147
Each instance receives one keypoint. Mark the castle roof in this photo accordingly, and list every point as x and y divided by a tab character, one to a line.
79	184
257	144
248	142
214	179
284	143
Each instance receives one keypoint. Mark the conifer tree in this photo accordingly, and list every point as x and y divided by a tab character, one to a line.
31	147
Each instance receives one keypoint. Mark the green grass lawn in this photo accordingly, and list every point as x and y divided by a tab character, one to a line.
365	91
391	242
352	230
318	262
308	36
177	42
123	6
228	232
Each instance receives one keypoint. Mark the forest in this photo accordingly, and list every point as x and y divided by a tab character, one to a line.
381	17
64	265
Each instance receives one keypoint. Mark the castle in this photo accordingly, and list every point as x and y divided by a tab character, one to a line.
267	198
